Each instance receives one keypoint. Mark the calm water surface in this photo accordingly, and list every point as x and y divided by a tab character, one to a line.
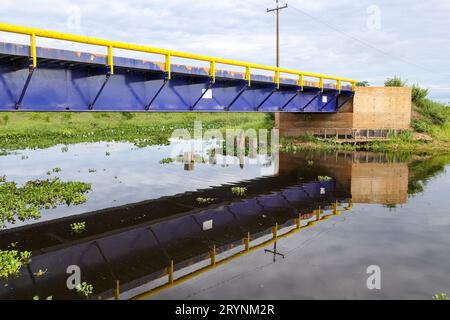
388	211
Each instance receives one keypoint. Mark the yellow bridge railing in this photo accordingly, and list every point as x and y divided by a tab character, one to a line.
172	281
111	45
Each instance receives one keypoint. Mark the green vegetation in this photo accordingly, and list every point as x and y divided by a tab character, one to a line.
85	289
11	261
48	298
43	130
430	135
166	161
25	202
78	227
324	178
395	82
363	84
205	201
441	296
424	170
239	191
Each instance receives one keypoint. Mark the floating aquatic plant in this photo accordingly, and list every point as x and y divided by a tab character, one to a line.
48	298
239	191
441	296
25	202
166	161
204	201
85	289
11	261
78	227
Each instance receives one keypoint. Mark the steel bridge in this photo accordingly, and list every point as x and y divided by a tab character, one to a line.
35	78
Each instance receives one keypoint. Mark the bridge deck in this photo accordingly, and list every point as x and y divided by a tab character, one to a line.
43	79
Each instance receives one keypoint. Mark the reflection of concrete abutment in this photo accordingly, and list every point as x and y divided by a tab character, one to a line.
369	177
374	112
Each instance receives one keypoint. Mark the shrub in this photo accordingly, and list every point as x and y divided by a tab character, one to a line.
395	82
422	126
363	84
418	94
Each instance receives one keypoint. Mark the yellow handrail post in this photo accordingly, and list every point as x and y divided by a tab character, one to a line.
336	212
321	83
298	221
353	86
277	78
318	212
350	205
301	82
212	254
339	85
117	290
247	242
212	71
170	272
168	67
248	75
110	59
33	50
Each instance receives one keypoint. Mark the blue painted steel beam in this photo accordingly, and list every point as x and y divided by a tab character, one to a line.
75	81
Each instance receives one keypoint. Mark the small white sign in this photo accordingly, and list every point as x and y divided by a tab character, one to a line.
323	191
208	94
207	225
324	99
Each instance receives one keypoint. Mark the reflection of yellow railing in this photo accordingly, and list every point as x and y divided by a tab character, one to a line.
110	45
172	282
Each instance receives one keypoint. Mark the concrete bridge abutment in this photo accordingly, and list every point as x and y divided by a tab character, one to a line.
373	111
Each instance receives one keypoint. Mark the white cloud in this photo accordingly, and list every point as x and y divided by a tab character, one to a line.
413	41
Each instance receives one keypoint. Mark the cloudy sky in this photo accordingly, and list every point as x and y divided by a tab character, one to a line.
366	40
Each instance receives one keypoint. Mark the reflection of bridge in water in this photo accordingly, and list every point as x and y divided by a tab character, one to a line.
150	241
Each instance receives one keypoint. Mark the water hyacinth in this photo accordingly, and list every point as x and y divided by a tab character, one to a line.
11	261
239	191
25	202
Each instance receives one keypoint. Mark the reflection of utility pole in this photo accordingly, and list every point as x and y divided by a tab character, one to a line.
277	10
274	252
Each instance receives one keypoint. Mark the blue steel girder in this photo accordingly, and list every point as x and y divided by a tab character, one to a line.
71	81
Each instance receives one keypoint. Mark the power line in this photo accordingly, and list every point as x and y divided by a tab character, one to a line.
362	42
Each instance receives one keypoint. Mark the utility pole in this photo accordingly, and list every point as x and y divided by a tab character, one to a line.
277	10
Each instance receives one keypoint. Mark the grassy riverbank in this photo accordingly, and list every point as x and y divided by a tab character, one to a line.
42	130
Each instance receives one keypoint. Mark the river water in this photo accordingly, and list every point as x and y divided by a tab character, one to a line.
337	216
